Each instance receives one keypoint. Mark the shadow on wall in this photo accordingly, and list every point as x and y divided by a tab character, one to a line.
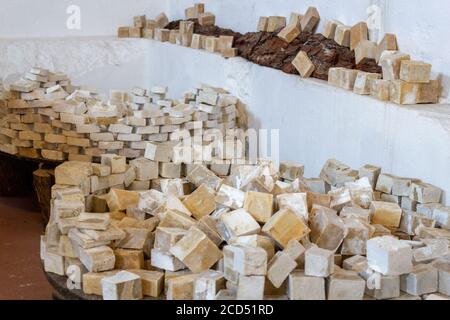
443	79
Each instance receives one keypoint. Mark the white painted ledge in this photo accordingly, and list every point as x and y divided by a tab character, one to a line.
316	121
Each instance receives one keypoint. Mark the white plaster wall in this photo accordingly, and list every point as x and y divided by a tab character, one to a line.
102	63
317	122
422	28
47	18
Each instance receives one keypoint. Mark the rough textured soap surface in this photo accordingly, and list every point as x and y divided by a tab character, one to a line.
267	49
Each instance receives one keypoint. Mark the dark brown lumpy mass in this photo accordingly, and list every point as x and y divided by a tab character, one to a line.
266	49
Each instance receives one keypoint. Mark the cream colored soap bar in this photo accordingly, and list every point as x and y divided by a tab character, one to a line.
303	64
415	71
191	248
386	214
284	226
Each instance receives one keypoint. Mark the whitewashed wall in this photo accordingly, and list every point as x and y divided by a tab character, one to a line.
100	62
422	27
47	18
317	122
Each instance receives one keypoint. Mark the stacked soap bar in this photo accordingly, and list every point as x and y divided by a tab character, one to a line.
256	232
407	83
44	116
403	81
185	35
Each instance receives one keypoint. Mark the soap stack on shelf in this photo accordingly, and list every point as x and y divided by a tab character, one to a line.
45	116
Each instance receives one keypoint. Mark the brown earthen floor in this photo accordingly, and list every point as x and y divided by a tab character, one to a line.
21	275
